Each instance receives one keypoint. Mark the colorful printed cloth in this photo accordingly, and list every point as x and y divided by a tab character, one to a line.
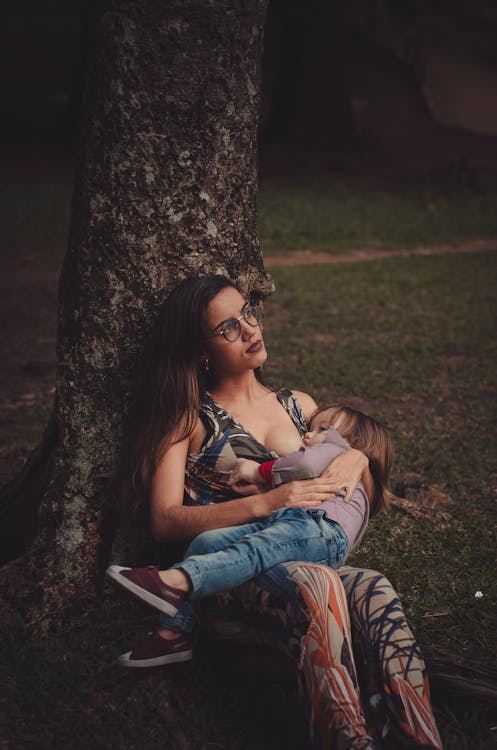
357	659
227	440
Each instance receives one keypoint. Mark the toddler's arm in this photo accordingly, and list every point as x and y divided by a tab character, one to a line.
307	463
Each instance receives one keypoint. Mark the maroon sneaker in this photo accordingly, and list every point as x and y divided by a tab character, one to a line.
155	651
146	583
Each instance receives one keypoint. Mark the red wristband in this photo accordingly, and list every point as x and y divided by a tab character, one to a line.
265	470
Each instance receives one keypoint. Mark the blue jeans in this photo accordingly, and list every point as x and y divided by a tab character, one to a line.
222	559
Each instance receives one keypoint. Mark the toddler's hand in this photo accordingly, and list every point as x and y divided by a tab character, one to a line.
245	478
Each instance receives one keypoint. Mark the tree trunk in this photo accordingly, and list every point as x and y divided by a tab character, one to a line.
165	189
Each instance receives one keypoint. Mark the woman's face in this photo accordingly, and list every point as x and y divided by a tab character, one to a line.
232	357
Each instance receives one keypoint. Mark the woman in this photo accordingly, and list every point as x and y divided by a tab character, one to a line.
202	406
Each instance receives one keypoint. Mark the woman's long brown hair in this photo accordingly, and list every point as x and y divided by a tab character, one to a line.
170	387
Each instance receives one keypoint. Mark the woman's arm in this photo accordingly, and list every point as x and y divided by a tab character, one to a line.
170	519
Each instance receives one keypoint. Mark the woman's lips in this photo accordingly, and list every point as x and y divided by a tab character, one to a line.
256	347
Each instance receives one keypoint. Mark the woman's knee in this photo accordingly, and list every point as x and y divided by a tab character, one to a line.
359	581
372	600
303	571
319	585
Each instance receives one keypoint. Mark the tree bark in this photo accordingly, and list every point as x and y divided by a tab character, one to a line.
165	189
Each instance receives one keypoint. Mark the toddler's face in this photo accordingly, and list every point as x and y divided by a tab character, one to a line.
319	427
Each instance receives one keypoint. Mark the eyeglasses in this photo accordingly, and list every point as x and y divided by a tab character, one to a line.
231	328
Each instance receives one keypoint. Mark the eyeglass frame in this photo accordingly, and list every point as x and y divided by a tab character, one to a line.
236	321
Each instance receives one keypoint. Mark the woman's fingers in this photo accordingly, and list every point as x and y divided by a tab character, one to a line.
304	493
307	486
347	484
346	469
349	493
309	491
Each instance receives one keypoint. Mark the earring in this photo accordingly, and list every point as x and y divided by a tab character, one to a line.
205	365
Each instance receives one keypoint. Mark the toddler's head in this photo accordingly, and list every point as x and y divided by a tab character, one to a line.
365	434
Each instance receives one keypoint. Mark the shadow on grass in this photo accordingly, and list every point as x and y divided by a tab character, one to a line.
66	690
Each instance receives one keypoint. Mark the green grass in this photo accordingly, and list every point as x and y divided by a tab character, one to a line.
334	217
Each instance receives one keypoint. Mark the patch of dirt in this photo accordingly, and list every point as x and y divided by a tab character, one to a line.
307	257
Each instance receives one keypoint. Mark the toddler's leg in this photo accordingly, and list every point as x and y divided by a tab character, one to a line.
289	534
218	539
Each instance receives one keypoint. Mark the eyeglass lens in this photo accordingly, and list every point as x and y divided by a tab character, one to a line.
231	329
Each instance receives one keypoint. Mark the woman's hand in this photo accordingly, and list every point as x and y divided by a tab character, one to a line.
301	493
347	470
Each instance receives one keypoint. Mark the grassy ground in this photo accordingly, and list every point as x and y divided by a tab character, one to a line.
411	340
334	216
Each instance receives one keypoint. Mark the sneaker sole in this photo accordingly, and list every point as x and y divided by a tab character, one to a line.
156	661
114	572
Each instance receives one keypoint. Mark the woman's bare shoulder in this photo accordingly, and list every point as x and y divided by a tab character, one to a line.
197	436
307	403
187	432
